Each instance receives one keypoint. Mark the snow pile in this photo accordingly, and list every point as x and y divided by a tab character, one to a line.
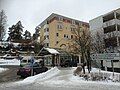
106	74
41	77
9	62
100	75
3	69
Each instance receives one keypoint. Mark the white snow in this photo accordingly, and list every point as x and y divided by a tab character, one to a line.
3	69
65	79
9	62
40	77
52	51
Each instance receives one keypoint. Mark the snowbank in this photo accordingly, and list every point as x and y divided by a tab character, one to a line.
9	62
3	69
41	77
105	75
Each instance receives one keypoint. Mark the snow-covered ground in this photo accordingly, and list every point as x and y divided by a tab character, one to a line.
41	77
62	79
65	78
9	62
3	69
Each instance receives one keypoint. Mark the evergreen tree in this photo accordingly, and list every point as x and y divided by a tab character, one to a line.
27	35
15	32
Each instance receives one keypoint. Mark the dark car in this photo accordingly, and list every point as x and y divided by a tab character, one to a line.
28	69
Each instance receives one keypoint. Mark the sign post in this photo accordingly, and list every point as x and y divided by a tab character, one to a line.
107	57
31	64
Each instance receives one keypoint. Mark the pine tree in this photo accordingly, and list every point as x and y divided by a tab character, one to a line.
15	32
27	35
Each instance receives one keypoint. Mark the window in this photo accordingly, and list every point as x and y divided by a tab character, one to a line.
64	35
47	22
73	22
47	44
60	26
46	30
73	28
57	34
60	18
67	36
46	37
57	42
71	36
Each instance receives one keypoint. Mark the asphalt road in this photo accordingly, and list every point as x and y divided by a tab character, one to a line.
10	75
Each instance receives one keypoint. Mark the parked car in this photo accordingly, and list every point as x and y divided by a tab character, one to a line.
24	61
26	70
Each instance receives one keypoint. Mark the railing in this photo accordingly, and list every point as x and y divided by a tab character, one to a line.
111	22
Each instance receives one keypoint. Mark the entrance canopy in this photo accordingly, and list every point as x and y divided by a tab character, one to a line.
47	51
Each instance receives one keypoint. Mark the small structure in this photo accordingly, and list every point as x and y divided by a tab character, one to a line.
51	56
57	57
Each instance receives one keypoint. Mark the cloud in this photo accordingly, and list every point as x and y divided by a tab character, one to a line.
33	12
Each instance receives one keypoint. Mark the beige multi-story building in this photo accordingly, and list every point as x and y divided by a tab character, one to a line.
56	30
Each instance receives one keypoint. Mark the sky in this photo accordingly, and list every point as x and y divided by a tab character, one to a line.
32	12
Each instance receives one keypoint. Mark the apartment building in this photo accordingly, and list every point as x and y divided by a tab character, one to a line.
109	25
56	30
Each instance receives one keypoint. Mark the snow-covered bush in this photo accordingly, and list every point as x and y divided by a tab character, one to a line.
98	75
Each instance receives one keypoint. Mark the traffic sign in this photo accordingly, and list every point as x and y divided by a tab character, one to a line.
106	56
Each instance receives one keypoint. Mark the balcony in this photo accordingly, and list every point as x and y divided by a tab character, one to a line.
46	26
46	41
111	22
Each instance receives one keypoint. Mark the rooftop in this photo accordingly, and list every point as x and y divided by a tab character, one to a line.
56	15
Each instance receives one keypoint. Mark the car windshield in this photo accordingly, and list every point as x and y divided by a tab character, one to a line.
30	65
27	66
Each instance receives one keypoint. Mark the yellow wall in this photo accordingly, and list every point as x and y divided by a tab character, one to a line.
52	33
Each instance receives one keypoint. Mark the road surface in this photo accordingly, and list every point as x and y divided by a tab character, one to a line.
9	75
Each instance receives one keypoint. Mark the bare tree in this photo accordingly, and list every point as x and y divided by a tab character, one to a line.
3	21
97	44
81	45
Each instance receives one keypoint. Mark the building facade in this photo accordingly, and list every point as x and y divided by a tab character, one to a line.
56	30
109	25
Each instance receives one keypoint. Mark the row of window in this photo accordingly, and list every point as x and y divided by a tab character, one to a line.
73	22
57	34
46	37
46	30
60	26
65	36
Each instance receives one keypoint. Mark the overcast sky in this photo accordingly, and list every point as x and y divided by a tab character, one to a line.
32	12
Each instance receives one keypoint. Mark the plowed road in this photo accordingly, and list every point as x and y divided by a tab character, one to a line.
9	75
